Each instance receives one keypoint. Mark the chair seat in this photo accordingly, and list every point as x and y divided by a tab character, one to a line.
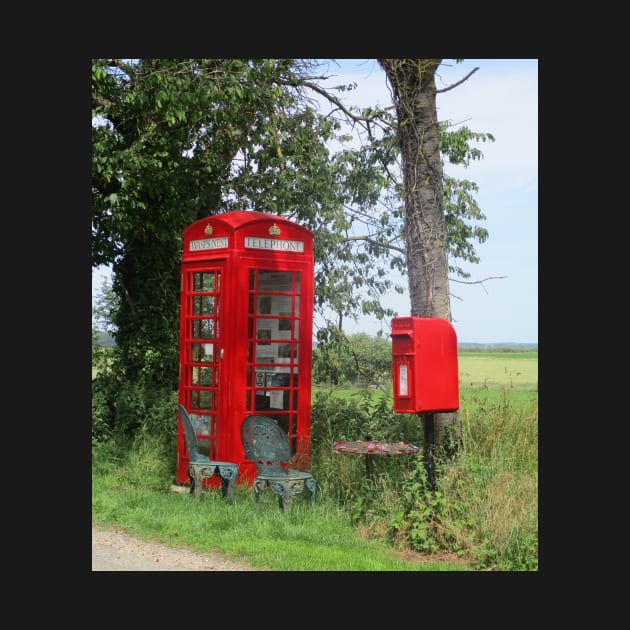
198	470
285	486
289	474
202	459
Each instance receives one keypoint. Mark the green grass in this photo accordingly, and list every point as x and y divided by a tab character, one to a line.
304	538
485	510
499	370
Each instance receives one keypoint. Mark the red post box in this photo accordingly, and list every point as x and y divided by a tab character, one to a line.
424	365
246	322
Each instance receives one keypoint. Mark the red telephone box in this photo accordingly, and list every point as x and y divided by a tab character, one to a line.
424	365
246	324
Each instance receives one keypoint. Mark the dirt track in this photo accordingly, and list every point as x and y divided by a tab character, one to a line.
114	550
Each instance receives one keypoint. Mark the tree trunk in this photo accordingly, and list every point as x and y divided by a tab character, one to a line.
414	96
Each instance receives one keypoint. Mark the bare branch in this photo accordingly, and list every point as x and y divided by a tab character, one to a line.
477	281
378	116
367	239
473	282
446	89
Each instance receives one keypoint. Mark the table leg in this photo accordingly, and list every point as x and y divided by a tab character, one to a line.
369	466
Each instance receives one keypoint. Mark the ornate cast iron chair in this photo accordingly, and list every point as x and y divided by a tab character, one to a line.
266	444
200	466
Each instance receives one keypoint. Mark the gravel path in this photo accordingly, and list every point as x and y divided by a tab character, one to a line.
114	550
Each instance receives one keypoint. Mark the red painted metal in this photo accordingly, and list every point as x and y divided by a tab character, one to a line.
375	447
246	325
424	365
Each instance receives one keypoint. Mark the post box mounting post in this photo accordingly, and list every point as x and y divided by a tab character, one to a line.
428	426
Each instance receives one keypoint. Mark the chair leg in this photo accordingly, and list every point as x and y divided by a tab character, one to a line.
287	497
196	482
228	476
284	491
227	488
224	487
259	487
311	485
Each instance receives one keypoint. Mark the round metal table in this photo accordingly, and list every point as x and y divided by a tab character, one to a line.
371	448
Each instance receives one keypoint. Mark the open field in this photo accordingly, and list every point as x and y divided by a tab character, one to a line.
491	370
484	378
499	370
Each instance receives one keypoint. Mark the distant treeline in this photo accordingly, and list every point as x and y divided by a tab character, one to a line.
105	340
102	339
496	347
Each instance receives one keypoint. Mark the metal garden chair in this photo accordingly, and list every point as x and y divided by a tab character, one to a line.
200	466
267	446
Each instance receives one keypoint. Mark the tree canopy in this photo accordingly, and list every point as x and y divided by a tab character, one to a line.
175	140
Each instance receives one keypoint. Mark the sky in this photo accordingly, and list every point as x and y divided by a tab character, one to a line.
500	98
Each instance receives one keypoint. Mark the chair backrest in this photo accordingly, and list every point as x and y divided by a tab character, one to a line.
189	432
266	444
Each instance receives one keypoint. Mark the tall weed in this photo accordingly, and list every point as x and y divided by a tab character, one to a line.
485	506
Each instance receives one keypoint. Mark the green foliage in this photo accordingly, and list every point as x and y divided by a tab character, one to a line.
485	506
363	415
421	510
127	409
359	359
174	140
143	462
131	487
461	210
484	509
487	502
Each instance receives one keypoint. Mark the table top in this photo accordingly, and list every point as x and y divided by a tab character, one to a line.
375	447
